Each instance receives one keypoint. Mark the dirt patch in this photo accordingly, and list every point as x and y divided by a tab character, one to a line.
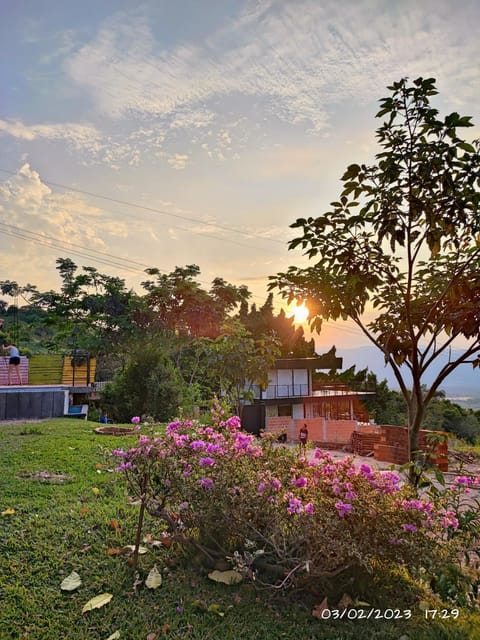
114	431
45	476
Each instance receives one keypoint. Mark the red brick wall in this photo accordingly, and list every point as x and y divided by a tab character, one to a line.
14	379
393	446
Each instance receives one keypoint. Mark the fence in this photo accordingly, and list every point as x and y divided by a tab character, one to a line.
47	369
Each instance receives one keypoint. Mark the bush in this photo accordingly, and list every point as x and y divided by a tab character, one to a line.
284	521
149	385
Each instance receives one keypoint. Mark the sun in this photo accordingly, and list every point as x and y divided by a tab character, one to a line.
300	313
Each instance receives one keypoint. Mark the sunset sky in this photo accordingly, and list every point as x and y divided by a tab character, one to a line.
161	133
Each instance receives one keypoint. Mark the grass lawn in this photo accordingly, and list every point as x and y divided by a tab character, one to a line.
78	521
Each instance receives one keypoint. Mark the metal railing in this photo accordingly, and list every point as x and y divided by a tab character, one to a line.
286	390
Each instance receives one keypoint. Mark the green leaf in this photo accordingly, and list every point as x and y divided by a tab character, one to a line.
71	582
215	608
467	147
97	602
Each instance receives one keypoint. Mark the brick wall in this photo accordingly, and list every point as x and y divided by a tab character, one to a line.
14	379
393	446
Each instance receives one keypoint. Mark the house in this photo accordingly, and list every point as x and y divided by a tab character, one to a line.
290	400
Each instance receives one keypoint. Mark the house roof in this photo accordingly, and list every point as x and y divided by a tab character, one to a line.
326	361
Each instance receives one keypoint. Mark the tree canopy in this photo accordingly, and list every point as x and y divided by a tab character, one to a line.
399	252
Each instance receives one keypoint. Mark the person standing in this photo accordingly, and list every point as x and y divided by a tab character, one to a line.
303	437
13	362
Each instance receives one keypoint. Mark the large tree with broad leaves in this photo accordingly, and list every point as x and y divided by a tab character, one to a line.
399	252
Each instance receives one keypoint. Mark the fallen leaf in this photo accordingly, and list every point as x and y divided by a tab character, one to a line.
152	636
345	602
165	628
130	548
166	540
71	582
99	465
114	551
215	608
227	577
8	512
319	608
97	602
154	578
95	490
114	525
114	636
84	511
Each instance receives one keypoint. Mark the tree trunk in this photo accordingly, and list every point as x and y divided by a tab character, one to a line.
416	410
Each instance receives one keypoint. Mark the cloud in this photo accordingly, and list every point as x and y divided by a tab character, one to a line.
77	136
298	59
36	211
178	161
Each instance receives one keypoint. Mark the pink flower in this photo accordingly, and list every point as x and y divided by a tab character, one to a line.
233	423
409	527
197	445
207	462
206	483
261	488
294	506
276	484
449	520
463	480
300	482
343	508
309	508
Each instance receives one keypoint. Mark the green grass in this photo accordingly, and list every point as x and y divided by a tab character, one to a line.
58	527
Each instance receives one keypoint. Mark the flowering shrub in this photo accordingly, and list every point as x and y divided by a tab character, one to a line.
281	519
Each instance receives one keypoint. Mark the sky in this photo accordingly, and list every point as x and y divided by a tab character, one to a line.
161	134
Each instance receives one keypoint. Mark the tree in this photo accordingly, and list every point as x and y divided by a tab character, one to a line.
92	311
239	360
292	342
148	385
175	302
402	242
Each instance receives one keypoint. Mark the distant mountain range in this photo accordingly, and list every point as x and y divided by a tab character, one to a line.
462	386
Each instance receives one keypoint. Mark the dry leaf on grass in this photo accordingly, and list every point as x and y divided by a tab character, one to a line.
227	577
154	578
130	548
97	602
71	582
320	608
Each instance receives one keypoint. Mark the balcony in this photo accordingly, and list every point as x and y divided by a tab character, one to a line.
286	391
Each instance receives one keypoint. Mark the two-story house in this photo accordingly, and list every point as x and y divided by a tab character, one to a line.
331	412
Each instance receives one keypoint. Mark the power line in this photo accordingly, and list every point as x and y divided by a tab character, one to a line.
145	208
114	261
109	259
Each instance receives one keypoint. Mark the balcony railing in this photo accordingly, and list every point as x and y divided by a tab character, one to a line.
286	390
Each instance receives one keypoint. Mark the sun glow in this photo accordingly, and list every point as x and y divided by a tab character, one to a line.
300	313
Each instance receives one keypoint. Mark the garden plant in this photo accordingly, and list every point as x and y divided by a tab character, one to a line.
288	523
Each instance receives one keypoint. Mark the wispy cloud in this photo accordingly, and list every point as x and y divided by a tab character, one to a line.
78	136
298	58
